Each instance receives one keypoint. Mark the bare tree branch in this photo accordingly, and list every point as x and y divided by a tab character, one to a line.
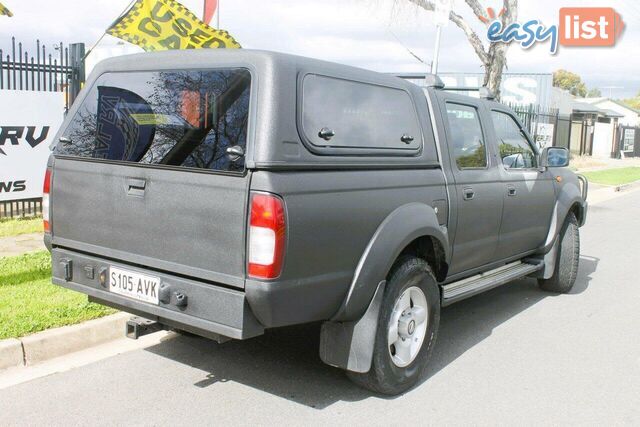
477	8
494	57
473	38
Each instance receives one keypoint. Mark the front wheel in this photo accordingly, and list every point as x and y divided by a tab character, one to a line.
567	259
407	328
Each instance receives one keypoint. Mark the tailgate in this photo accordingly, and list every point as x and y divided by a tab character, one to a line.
149	170
187	223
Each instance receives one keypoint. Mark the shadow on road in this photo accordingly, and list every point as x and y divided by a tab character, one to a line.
285	362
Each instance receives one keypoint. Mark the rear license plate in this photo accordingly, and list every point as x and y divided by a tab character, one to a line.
134	285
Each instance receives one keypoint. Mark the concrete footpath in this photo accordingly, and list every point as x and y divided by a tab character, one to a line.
18	245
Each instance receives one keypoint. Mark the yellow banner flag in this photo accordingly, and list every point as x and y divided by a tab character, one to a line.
5	11
166	24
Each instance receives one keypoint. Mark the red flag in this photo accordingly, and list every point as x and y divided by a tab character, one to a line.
210	7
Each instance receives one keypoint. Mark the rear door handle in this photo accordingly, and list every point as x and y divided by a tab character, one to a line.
136	187
511	190
468	193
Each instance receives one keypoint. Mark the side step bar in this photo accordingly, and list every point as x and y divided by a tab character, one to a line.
465	288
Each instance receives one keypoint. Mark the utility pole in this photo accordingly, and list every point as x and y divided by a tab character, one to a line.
213	7
440	19
436	51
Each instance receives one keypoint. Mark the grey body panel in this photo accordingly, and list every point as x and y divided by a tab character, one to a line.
477	223
194	227
402	226
349	213
527	208
332	218
527	214
568	197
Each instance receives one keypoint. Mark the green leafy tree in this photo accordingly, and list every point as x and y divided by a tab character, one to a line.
633	102
570	81
594	93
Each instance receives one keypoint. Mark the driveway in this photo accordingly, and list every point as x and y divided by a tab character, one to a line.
515	355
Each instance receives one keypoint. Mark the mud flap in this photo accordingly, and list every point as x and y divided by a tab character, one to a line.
549	261
349	345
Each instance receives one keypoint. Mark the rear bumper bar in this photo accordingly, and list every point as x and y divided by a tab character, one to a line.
211	310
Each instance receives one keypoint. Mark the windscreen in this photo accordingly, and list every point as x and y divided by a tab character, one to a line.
173	118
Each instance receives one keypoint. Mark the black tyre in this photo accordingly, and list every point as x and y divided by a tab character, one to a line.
407	328
567	260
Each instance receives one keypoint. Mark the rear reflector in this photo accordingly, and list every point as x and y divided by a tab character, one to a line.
45	201
267	236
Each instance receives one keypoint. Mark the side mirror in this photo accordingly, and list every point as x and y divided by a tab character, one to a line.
554	157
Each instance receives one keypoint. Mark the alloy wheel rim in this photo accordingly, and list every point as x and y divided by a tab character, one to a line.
407	326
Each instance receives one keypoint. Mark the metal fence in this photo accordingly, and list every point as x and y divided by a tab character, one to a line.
44	71
20	208
58	70
545	124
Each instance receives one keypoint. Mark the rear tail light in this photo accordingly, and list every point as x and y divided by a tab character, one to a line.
45	201
267	236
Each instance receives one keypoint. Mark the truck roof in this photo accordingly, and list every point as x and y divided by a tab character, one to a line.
261	60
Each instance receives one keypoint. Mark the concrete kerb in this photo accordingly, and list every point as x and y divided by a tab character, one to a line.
11	353
57	342
611	192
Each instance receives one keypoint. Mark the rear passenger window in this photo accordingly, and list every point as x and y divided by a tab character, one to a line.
173	118
515	150
340	113
466	136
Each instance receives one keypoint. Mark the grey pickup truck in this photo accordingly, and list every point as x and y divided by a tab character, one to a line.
224	192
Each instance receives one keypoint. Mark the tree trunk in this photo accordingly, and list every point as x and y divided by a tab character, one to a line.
494	59
494	66
497	55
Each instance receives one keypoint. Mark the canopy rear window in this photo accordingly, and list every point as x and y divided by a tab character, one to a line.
173	118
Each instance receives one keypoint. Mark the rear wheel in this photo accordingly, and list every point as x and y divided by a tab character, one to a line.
567	259
407	328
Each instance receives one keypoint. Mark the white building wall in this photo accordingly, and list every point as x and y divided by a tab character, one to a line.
602	140
631	118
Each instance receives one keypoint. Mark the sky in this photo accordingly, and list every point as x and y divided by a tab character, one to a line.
372	34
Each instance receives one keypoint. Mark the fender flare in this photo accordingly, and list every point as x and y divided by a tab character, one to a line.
568	196
347	340
399	228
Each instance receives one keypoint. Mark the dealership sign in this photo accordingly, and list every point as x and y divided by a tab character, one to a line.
28	123
516	88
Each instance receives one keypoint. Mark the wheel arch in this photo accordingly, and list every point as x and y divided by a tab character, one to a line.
580	211
568	200
431	250
347	340
411	228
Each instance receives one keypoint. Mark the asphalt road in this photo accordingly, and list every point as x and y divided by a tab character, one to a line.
515	355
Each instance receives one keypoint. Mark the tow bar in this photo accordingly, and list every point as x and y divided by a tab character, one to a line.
139	326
